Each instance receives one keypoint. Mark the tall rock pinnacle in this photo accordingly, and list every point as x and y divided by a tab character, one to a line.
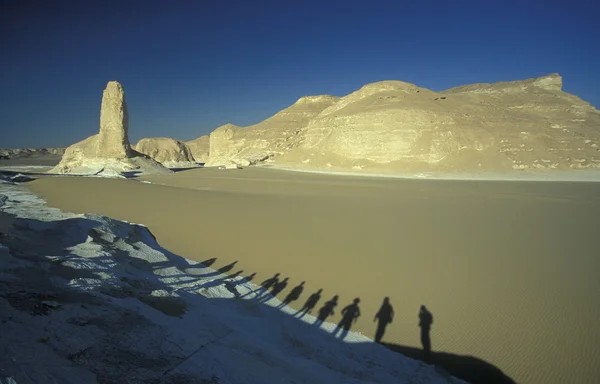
113	141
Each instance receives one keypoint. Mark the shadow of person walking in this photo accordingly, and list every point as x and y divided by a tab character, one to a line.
350	313
326	310
385	315
425	321
264	286
293	295
275	290
310	304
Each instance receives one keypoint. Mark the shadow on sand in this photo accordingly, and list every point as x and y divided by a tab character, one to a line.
138	280
468	368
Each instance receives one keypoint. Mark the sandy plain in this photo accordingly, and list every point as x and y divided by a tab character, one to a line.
509	269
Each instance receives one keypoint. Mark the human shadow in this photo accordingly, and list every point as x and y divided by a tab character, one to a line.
293	295
227	267
384	316
136	277
264	286
310	304
425	321
249	278
209	262
326	310
350	314
275	290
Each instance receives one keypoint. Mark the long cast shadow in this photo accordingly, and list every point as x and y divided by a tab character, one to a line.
350	314
465	367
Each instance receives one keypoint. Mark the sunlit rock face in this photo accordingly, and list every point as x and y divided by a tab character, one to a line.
393	125
271	137
200	148
169	152
113	140
109	151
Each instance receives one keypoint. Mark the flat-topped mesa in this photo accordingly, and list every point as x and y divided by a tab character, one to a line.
113	140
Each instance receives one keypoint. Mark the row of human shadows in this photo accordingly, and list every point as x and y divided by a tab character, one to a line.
273	286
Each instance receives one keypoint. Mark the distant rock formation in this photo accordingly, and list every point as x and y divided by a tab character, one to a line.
169	152
21	153
396	126
230	144
108	153
200	148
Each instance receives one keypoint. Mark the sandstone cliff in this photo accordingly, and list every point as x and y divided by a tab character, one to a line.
200	148
169	152
397	126
230	144
108	153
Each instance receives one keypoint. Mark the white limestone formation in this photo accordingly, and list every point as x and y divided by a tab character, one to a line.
169	152
108	153
200	148
396	126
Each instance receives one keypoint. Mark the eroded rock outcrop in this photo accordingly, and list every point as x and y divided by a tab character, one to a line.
108	153
393	125
230	144
169	152
200	148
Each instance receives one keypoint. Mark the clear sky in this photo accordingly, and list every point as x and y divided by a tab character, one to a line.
190	66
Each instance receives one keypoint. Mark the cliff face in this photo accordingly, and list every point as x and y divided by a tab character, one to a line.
397	126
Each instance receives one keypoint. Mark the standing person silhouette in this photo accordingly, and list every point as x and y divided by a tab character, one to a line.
349	315
310	304
385	316
425	321
326	310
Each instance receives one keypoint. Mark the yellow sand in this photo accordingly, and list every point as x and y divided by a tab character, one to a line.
510	270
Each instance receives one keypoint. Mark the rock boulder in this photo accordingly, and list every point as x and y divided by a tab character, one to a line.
169	152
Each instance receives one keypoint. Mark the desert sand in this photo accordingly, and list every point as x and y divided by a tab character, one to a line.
508	269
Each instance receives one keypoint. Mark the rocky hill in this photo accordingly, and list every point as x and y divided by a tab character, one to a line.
28	153
396	126
271	137
200	148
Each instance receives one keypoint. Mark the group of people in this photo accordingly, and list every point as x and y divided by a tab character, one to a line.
350	313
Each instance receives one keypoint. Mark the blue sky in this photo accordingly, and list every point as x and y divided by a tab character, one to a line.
190	66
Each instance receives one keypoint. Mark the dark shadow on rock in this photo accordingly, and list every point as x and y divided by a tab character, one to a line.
468	368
